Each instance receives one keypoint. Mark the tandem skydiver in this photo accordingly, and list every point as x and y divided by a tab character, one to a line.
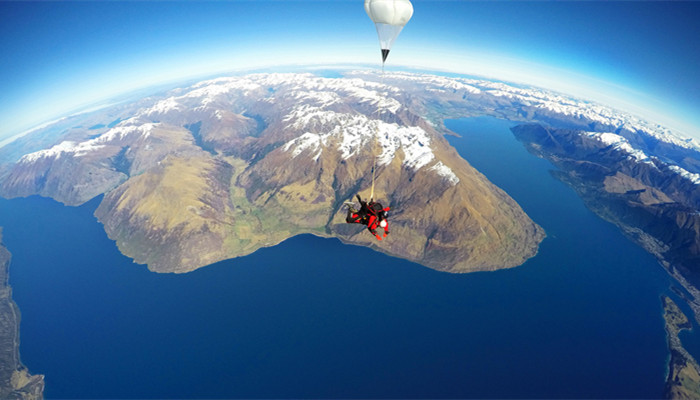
371	214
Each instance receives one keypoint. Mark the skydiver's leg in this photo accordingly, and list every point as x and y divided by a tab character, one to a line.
352	215
351	206
352	218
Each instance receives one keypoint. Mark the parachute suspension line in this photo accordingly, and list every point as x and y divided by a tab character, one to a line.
389	17
376	136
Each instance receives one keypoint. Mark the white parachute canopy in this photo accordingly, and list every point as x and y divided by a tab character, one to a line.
389	16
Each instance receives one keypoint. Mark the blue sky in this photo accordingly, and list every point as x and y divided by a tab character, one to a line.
57	56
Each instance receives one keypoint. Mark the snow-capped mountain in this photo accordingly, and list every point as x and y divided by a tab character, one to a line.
318	108
284	151
655	203
535	100
227	165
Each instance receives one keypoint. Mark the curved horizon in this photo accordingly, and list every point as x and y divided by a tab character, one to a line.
67	56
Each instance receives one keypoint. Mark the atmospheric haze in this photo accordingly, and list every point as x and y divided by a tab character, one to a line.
63	56
194	130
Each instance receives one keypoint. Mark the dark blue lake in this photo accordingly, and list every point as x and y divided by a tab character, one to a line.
315	318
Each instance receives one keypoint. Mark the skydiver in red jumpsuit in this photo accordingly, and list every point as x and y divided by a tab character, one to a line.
372	214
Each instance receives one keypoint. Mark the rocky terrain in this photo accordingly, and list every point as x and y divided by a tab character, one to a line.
655	203
683	379
15	380
224	167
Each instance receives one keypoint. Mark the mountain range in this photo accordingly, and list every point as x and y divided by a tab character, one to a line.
223	167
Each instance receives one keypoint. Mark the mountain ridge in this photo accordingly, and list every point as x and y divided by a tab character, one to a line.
648	199
230	165
295	147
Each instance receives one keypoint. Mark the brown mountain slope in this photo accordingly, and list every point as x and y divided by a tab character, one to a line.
230	165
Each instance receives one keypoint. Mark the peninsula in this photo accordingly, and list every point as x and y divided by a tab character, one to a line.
683	380
15	380
227	166
223	167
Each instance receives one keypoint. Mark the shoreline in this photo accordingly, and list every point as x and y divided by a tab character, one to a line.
15	378
683	372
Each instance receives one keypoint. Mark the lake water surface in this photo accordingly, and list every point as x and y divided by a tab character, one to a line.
312	317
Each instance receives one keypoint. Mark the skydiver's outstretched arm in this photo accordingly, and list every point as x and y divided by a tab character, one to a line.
363	204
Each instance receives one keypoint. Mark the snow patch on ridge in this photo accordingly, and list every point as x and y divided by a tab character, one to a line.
621	144
445	172
322	124
413	140
202	96
121	132
308	140
55	152
354	133
695	178
80	149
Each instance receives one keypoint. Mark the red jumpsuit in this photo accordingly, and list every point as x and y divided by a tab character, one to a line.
372	215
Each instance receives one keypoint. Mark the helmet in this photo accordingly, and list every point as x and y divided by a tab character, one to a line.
383	223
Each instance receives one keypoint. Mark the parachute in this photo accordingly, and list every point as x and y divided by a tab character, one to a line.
389	16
